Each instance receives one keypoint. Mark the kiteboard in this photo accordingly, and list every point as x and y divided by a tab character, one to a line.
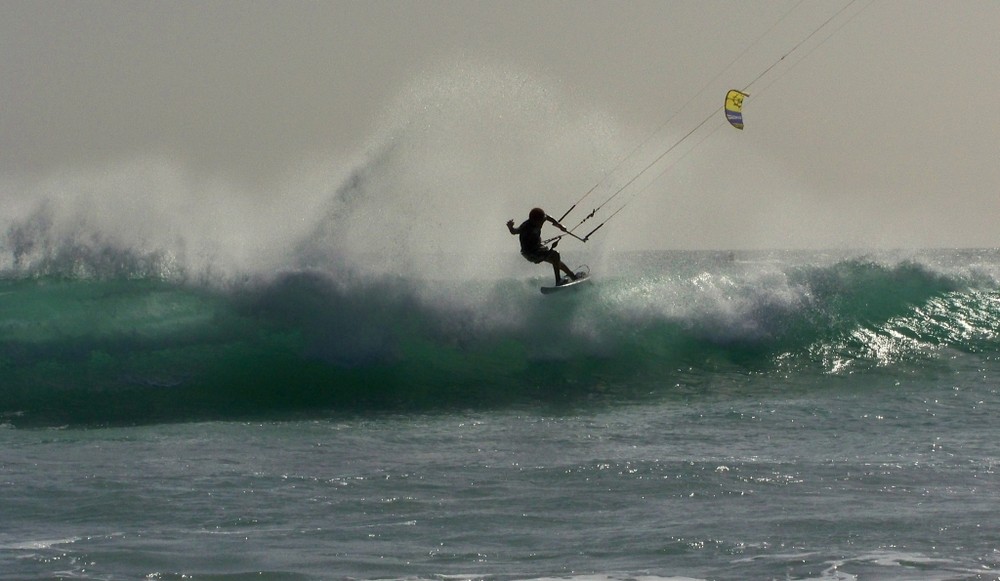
565	283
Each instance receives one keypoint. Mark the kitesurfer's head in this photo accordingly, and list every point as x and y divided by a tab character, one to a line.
536	215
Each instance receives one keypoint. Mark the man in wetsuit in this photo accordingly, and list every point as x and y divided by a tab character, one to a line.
530	232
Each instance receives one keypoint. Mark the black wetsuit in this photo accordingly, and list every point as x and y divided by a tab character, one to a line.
531	242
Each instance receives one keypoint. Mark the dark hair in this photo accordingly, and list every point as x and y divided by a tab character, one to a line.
536	214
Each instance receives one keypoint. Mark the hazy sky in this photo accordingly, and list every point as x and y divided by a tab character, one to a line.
878	130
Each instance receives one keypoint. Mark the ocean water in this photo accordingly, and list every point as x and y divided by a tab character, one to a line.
686	415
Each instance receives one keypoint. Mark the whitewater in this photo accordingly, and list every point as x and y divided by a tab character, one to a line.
354	376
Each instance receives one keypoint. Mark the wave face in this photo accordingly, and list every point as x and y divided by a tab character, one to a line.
84	350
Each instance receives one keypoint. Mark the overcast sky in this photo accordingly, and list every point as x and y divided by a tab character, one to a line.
877	130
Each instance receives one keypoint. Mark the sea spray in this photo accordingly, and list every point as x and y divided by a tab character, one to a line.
466	147
147	218
464	150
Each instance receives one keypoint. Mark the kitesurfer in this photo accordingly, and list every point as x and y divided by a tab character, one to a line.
532	249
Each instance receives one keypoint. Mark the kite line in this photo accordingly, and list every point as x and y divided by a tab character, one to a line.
732	106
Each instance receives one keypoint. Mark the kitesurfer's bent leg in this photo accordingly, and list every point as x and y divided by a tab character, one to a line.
557	265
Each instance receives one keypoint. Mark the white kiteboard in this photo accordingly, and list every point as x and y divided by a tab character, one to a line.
581	278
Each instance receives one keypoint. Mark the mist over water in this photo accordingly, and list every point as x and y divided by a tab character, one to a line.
461	154
147	218
463	150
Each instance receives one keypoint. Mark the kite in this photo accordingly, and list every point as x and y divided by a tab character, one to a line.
734	108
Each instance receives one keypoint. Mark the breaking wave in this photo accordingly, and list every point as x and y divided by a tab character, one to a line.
141	349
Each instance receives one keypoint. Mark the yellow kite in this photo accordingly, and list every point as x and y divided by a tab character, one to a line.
734	107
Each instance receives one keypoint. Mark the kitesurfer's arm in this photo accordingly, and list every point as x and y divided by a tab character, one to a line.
555	223
510	226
